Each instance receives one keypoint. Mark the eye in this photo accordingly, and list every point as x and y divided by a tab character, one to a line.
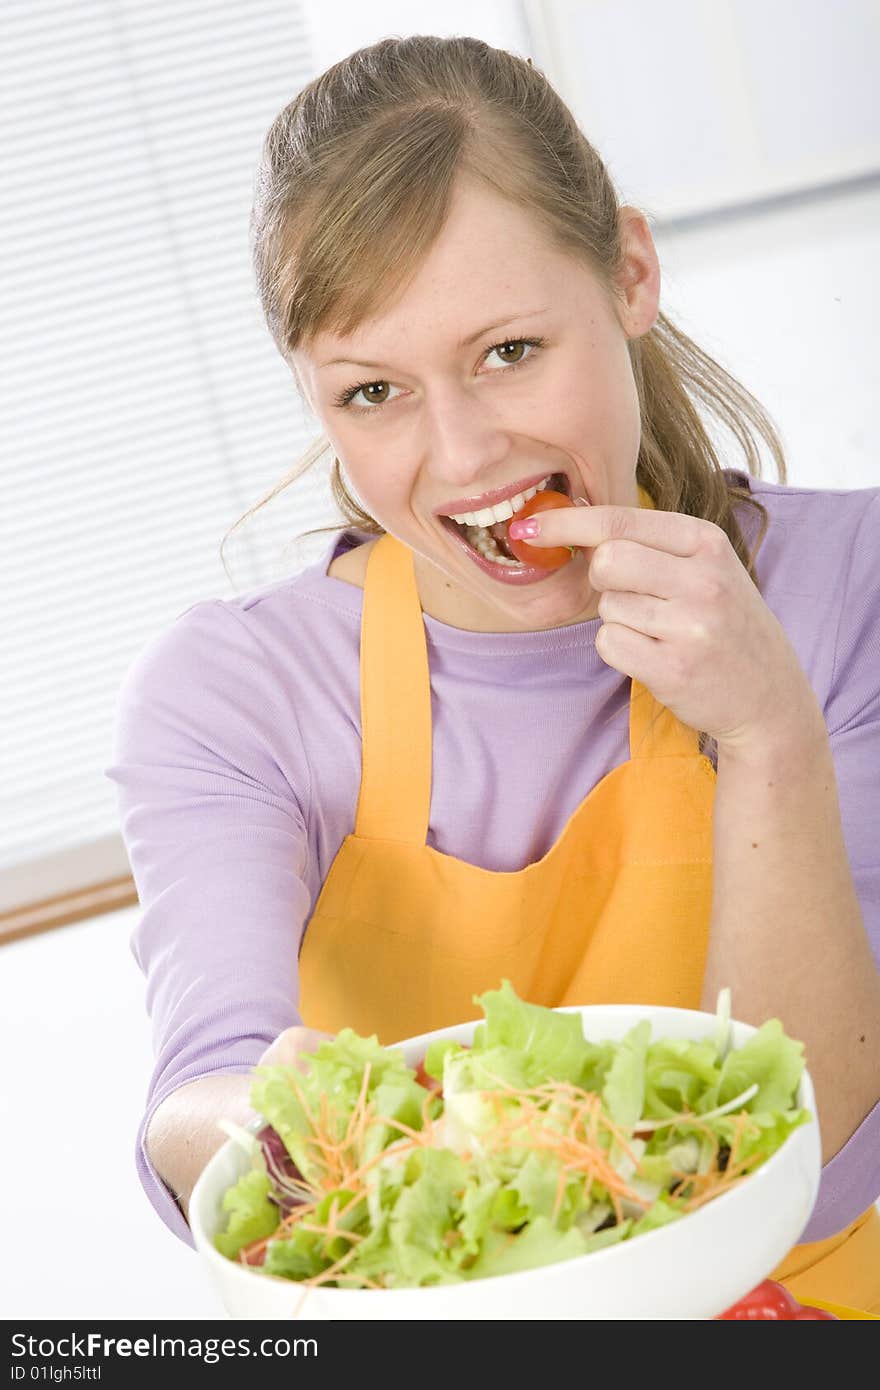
346	396
516	344
376	392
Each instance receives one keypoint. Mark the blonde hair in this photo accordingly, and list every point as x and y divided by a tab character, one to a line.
355	183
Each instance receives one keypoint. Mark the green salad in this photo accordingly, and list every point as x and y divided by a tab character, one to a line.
529	1146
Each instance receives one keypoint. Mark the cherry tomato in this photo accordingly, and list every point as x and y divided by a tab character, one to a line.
429	1082
808	1314
547	559
766	1300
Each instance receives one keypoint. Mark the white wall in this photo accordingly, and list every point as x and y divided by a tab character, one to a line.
788	299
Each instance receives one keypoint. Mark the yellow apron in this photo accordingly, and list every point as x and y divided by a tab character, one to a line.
617	911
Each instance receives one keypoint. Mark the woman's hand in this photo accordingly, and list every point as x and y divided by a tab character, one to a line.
681	615
288	1047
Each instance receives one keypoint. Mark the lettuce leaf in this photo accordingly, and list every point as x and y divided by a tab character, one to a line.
251	1215
543	1044
624	1089
539	1243
423	1215
677	1076
467	1204
334	1079
770	1059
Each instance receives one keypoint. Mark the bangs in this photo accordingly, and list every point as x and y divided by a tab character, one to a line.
376	202
356	245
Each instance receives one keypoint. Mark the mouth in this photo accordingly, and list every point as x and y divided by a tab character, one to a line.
488	542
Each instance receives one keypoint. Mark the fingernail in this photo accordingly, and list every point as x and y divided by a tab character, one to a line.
581	502
524	530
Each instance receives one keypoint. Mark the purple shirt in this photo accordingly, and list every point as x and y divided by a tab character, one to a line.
238	763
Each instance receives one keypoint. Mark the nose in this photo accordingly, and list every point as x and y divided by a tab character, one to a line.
464	440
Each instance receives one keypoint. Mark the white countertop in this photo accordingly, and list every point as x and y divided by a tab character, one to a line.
76	1051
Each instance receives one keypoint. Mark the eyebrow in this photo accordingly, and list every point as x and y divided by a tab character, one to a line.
465	342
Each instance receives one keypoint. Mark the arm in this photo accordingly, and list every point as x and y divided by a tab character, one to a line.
795	909
183	1133
218	846
808	795
787	933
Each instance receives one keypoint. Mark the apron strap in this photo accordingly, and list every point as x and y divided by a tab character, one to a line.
654	732
395	793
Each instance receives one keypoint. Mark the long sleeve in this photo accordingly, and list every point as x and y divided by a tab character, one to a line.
217	843
851	1180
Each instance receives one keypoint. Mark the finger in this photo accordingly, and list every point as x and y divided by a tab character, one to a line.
637	568
288	1048
639	612
589	526
632	653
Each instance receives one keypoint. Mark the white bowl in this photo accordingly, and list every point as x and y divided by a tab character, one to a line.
692	1268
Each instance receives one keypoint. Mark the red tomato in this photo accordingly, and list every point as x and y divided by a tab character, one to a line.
546	559
808	1314
766	1300
429	1082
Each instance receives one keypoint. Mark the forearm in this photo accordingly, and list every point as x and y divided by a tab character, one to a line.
183	1133
787	933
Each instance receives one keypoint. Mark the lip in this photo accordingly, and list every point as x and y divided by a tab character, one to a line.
531	574
499	494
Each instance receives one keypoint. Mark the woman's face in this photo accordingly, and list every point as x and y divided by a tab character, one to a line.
454	403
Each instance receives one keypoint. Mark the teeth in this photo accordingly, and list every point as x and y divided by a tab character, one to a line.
482	541
487	516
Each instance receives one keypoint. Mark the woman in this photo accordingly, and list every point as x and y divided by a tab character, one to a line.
421	766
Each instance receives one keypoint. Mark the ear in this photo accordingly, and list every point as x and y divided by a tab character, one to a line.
638	282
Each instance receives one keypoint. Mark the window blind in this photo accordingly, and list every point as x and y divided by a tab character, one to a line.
143	405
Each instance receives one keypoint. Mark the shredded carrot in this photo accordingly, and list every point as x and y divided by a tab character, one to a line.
332	1272
556	1118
